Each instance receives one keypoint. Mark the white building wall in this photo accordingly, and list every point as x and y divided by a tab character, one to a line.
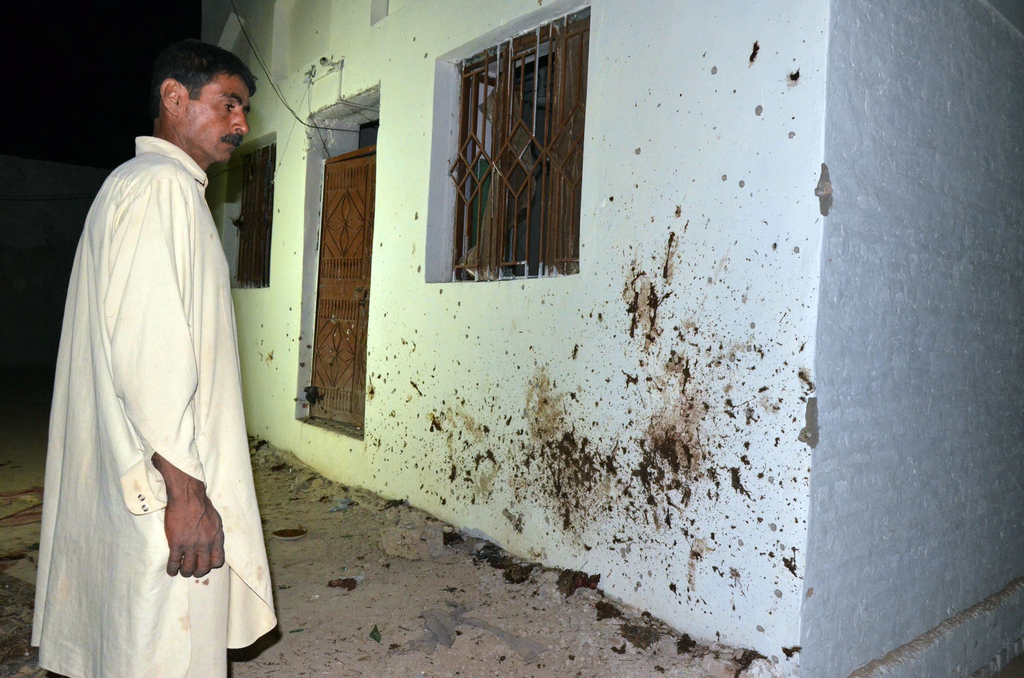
641	418
917	499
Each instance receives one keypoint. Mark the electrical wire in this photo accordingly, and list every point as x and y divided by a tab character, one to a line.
266	71
309	106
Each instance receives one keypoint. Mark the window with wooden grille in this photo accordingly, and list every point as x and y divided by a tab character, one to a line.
254	222
518	171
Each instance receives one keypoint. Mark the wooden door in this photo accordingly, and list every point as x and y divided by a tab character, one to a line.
343	290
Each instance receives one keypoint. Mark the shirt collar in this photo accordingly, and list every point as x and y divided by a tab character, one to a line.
163	147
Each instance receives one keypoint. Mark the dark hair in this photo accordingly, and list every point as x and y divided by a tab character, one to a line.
195	64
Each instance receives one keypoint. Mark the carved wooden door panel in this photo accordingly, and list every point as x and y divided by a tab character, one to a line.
343	291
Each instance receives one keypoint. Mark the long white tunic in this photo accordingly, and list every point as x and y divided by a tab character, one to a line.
148	362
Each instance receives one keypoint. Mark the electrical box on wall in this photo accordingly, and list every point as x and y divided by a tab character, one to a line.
324	81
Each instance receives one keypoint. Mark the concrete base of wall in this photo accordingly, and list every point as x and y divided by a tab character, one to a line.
989	634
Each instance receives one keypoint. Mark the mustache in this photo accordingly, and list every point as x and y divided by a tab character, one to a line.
233	139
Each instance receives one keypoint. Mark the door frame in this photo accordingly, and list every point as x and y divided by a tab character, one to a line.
338	134
352	428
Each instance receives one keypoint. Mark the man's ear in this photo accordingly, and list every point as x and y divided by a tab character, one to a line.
172	97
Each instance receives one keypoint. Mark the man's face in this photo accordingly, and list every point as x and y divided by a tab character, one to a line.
213	125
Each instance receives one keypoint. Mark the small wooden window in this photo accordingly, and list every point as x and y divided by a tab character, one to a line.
256	218
519	167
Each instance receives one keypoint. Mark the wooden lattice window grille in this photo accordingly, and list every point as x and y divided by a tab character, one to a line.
519	168
256	218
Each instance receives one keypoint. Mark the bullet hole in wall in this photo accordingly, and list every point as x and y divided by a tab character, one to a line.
794	77
753	52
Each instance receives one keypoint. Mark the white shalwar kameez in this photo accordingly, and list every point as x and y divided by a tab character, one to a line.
148	362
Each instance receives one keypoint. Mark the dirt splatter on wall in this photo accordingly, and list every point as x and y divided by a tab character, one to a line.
639	419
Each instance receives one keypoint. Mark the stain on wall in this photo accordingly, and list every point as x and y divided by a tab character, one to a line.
639	420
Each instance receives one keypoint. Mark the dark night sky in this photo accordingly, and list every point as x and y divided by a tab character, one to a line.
77	75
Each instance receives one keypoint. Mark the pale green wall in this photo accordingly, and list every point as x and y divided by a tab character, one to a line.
526	371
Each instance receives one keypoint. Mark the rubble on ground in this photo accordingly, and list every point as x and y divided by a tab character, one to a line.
444	602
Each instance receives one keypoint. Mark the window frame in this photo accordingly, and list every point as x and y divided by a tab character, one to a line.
541	160
256	217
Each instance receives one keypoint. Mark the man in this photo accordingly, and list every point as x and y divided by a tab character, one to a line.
151	559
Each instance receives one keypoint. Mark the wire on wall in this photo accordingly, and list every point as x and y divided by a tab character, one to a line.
266	71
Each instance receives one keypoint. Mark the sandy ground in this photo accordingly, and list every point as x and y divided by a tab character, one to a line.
441	604
377	588
410	596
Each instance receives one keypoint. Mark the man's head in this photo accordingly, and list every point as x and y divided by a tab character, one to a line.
199	98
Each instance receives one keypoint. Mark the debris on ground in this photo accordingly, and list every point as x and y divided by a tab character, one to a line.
444	612
519	573
570	580
343	504
747	658
718	666
606	610
492	554
348	583
515	572
441	627
413	537
685	644
640	635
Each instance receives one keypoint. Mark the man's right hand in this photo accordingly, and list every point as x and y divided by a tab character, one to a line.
193	527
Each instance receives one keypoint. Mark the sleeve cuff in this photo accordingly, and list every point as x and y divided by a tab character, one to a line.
143	488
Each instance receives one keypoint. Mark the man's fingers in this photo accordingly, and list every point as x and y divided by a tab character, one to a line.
217	555
174	561
202	563
188	564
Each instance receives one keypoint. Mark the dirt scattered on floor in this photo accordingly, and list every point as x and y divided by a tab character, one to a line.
518	573
472	609
569	581
348	583
641	635
685	644
606	610
346	607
